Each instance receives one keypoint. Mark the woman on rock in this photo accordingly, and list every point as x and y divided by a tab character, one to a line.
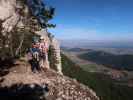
43	53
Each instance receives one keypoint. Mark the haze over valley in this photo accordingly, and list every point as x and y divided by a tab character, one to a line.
111	61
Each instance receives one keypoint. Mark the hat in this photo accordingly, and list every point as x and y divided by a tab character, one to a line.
35	39
41	38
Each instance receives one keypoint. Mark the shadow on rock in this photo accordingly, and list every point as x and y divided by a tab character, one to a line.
5	65
24	92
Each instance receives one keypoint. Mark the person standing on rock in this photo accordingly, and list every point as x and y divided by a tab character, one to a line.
43	53
35	52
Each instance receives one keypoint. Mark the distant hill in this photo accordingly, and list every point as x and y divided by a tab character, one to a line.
104	87
78	49
109	60
84	43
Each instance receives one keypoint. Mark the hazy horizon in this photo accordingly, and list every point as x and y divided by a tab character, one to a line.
95	43
93	19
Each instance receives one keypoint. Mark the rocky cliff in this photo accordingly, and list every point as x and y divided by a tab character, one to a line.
19	82
15	16
46	85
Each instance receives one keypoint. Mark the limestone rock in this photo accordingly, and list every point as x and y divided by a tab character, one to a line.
56	50
52	85
7	8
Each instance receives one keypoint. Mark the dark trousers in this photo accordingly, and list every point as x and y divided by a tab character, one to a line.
34	65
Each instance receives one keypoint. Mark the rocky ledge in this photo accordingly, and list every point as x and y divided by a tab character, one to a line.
20	84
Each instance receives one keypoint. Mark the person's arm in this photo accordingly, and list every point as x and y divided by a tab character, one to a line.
31	51
46	47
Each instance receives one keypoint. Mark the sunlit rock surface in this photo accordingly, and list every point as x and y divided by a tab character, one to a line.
19	77
11	17
7	8
59	87
57	52
52	42
8	15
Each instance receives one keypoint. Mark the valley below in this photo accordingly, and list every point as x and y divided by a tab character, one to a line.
120	76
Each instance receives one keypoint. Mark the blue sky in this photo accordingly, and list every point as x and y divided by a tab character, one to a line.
93	19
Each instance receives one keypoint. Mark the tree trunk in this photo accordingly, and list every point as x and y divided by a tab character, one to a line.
11	45
20	45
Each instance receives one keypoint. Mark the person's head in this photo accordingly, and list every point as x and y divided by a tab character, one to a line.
37	44
41	39
34	45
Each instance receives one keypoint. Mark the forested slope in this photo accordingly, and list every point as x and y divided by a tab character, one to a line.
103	85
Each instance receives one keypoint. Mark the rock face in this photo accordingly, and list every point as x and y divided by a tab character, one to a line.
9	15
55	54
56	86
7	8
15	14
20	82
54	48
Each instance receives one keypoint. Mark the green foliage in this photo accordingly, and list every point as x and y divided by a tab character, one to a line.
41	12
101	84
14	43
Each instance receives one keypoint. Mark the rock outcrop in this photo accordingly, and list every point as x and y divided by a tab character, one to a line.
9	15
54	59
56	86
15	14
56	54
20	82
